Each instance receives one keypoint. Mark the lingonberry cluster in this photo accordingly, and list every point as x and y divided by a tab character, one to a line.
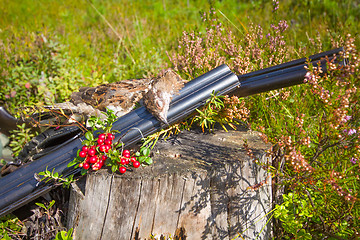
102	150
94	155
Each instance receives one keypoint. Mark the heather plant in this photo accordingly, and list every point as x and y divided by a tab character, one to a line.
200	52
319	142
313	127
224	110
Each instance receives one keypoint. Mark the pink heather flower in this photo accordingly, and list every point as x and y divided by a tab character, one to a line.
13	93
27	85
353	160
347	118
351	131
307	77
7	96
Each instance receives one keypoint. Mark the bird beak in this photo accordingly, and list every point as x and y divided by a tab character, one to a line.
164	120
163	117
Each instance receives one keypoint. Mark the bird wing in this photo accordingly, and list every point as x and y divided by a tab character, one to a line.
119	96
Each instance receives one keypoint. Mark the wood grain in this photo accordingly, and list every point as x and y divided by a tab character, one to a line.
200	186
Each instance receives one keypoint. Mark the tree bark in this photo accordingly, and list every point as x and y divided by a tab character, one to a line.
201	186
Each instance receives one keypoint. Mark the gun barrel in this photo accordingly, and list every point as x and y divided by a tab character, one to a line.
20	187
284	75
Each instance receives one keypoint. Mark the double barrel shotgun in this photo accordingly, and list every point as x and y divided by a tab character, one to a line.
20	187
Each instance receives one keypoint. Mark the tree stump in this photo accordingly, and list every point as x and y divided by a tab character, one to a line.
201	186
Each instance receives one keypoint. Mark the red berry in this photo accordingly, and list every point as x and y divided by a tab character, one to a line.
126	153
93	147
123	161
86	165
133	159
82	154
85	148
107	148
100	141
102	148
93	159
127	161
108	142
102	136
100	164
136	164
81	164
104	157
110	136
87	159
122	169
91	152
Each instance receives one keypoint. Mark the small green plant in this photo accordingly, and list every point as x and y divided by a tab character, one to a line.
47	176
293	214
3	162
64	235
10	228
19	137
46	207
143	155
221	109
209	113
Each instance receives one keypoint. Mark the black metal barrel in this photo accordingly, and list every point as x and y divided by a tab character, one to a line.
20	187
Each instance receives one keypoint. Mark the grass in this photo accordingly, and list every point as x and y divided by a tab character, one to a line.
144	31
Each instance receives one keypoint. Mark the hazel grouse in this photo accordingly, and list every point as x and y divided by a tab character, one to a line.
122	96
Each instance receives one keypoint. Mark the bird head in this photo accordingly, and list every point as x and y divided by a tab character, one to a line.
157	99
162	103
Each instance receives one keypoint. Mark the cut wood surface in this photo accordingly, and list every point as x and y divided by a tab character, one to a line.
201	186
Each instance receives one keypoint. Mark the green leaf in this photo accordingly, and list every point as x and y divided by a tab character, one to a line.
70	232
141	159
51	204
3	162
70	178
86	143
145	151
58	236
89	136
72	163
149	160
114	168
41	205
6	237
304	235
